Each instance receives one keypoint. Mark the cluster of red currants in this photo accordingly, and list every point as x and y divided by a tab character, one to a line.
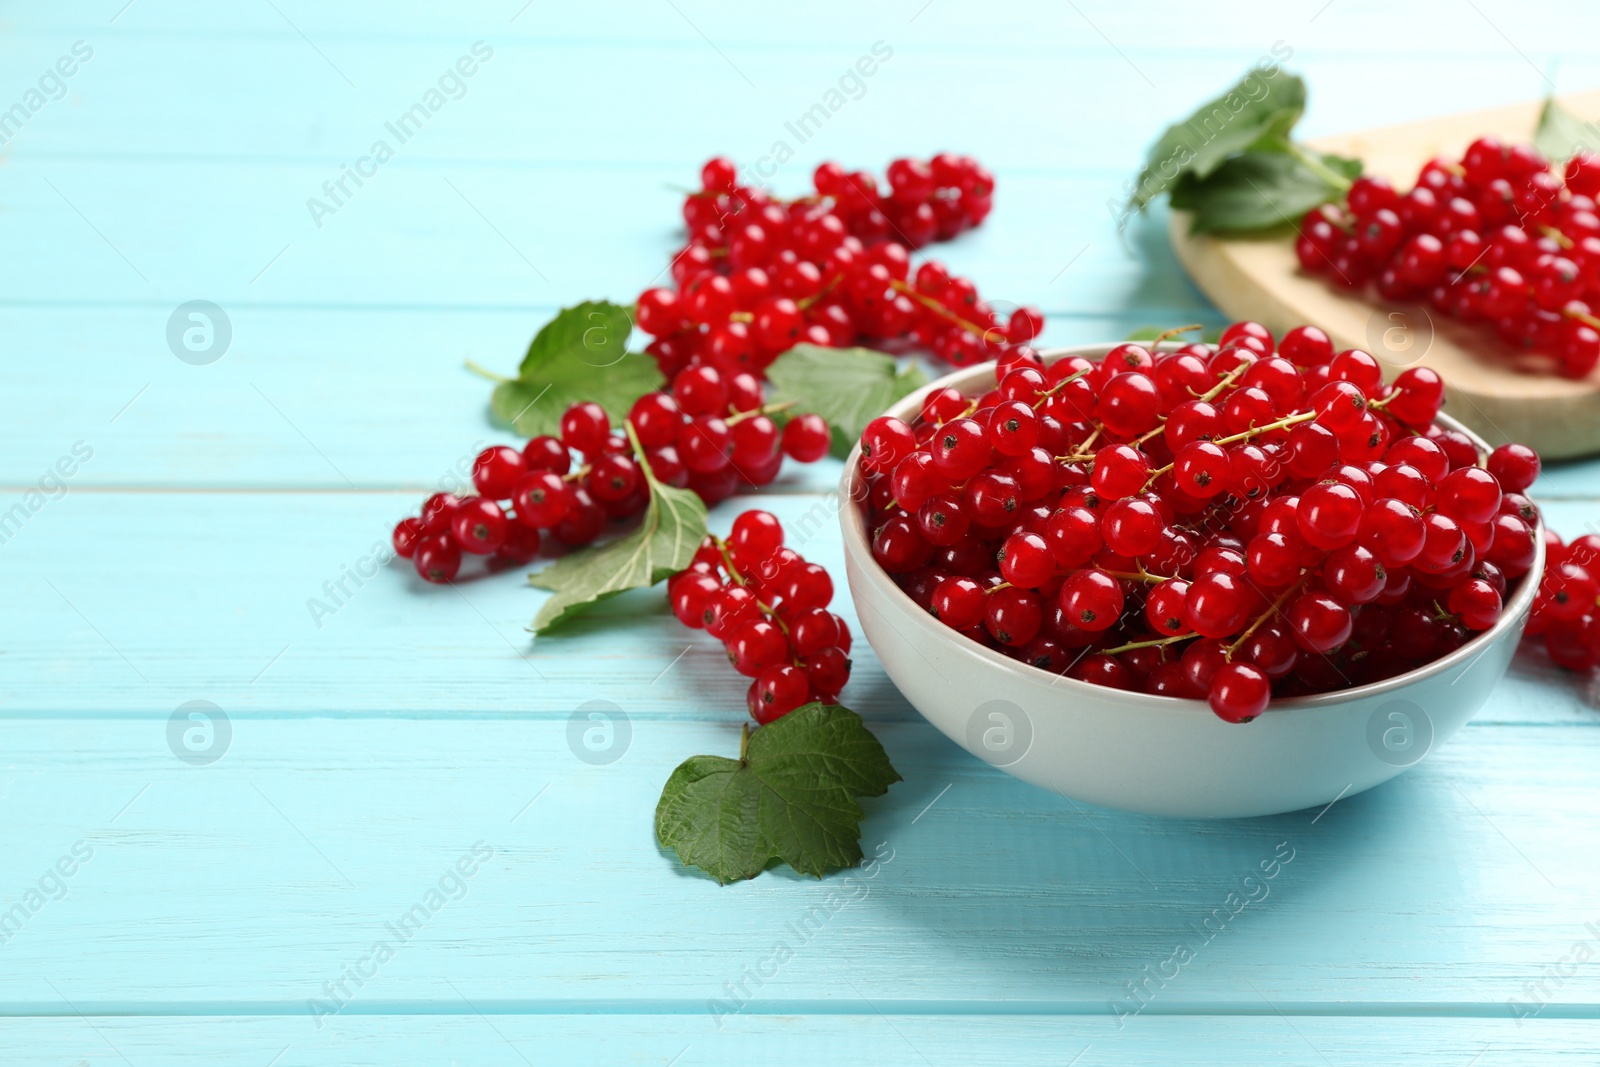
1226	521
1499	238
760	275
676	438
1566	613
769	607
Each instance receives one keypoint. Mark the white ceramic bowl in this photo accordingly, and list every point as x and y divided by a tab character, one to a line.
1153	754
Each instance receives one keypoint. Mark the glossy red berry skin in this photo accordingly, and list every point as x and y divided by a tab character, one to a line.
520	546
777	691
960	449
585	427
756	645
407	532
1026	560
756	535
546	454
885	442
437	559
1217	605
828	671
1239	692
806	438
583	521
496	471
1013	616
1318	622
1091	599
1119	471
1514	466
959	602
1330	514
542	499
478	526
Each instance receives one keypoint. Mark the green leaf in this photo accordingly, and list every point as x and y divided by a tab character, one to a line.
581	354
1260	106
1264	190
664	544
847	386
1561	134
790	797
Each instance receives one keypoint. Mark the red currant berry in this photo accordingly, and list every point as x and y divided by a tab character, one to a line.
437	558
1318	622
777	691
1239	692
585	428
828	671
546	454
479	526
1514	466
407	532
496	470
1092	600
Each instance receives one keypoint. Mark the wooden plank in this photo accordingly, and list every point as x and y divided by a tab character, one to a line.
759	77
890	1039
172	615
442	234
392	405
255	879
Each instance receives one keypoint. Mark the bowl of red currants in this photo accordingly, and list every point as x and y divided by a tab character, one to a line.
1194	580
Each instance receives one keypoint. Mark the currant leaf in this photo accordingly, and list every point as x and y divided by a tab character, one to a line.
1262	105
662	545
1561	134
579	355
847	386
790	797
1259	191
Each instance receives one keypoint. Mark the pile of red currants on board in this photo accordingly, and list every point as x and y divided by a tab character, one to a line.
1237	521
1498	237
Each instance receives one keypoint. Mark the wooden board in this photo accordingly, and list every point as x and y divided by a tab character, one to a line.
1259	278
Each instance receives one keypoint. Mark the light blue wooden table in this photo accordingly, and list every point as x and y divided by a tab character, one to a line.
369	751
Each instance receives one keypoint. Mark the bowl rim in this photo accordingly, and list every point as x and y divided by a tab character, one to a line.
856	544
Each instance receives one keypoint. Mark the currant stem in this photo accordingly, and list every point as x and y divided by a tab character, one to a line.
1263	617
1582	316
573	476
739	579
1142	438
1156	643
1226	380
1142	576
939	309
1176	331
765	409
1556	235
1062	384
485	372
1079	455
638	453
806	301
744	742
1311	162
1256	431
1244	435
